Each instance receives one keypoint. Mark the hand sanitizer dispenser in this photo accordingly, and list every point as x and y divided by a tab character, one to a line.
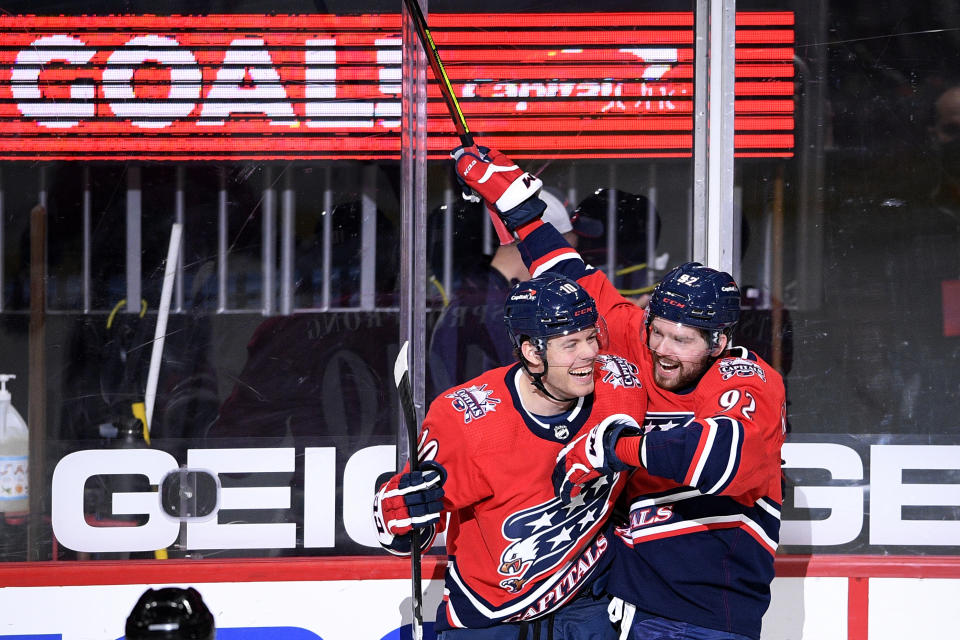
14	450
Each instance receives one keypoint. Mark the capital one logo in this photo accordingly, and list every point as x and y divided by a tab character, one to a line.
656	63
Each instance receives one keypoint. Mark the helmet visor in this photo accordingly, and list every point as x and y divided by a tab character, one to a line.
677	340
598	332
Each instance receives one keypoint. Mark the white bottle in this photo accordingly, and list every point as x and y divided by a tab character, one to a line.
14	450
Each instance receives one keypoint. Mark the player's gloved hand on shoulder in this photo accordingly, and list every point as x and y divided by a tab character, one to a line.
407	501
508	189
592	455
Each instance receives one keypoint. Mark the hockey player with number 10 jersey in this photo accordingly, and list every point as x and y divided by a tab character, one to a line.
521	562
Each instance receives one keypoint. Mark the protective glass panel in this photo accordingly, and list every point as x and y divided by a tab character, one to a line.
283	310
850	263
268	384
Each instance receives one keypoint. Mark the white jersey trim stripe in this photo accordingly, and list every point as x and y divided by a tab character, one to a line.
681	528
670	497
757	529
711	427
732	458
539	271
575	411
769	508
454	618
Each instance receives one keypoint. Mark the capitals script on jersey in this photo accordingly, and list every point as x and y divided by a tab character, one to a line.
515	551
704	521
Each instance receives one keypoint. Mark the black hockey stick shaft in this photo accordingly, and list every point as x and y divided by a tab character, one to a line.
401	376
439	72
449	97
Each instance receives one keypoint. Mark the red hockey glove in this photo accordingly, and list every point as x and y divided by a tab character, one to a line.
592	455
507	188
408	500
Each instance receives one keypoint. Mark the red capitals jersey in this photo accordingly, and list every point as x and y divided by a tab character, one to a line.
739	388
704	519
515	551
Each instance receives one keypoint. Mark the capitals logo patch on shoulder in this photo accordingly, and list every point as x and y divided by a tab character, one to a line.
730	367
473	402
619	372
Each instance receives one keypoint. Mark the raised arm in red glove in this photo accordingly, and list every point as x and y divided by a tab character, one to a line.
506	188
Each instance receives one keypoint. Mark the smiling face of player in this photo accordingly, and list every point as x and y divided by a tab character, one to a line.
570	359
680	353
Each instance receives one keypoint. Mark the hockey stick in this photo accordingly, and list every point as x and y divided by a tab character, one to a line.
401	376
163	313
453	106
159	336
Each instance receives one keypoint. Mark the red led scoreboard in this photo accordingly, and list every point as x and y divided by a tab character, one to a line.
222	87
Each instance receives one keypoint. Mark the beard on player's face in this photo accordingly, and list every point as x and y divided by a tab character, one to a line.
679	354
672	374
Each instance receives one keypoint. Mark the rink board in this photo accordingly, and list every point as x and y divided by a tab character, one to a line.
822	597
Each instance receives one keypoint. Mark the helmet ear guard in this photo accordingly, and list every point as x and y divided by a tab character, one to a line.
603	335
539	345
713	337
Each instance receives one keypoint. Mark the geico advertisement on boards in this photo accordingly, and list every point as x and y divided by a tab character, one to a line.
841	494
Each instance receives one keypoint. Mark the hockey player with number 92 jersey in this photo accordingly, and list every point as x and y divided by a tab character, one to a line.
703	527
695	557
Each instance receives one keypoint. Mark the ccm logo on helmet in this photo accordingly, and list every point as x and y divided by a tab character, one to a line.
675	303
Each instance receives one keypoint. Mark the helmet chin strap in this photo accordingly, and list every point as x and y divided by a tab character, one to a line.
538	380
